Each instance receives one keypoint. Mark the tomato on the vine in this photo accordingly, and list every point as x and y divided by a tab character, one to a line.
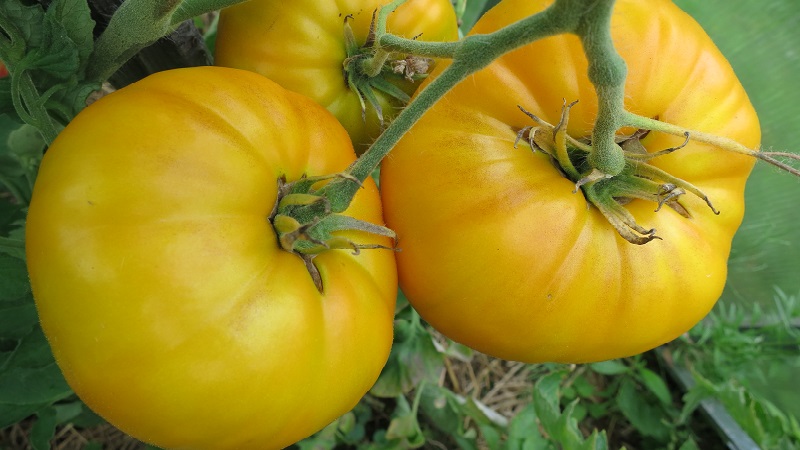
160	283
496	249
301	45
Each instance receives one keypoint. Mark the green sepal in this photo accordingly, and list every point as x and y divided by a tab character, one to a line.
611	193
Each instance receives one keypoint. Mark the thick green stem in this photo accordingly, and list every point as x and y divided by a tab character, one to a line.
419	48
607	71
373	66
137	24
134	26
194	8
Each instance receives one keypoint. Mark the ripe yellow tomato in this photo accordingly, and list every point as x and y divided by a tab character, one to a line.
159	280
498	253
300	44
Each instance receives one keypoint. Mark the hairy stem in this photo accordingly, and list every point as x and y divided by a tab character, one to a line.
607	71
29	105
724	143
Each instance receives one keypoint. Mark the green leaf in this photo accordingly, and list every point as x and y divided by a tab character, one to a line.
413	358
404	425
21	149
583	387
56	55
473	10
27	26
67	411
491	436
75	19
523	431
6	104
562	427
546	400
642	413
43	429
13	278
612	367
656	385
13	247
30	376
690	444
17	319
441	409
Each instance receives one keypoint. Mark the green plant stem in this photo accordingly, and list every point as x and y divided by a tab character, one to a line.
30	105
590	19
372	67
137	24
645	123
134	26
420	48
193	8
607	72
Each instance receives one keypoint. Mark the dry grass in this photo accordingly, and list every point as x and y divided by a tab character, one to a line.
16	437
503	386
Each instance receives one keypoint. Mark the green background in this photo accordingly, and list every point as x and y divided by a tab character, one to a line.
761	39
762	42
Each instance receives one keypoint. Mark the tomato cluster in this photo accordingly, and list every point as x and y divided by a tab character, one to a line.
165	290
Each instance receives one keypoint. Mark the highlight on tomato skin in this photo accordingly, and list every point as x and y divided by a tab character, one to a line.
500	254
303	46
159	281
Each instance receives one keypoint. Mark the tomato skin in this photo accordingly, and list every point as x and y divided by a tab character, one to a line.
159	281
300	45
499	254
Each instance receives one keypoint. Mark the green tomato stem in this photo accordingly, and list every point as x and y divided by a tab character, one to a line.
607	72
419	48
645	123
137	24
193	8
373	66
29	104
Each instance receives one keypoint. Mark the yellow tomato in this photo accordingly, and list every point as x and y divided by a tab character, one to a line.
498	253
159	280
300	45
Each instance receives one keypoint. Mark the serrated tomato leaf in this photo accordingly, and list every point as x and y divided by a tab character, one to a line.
413	358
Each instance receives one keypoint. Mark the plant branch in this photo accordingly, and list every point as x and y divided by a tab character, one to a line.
607	72
724	143
30	105
136	25
193	8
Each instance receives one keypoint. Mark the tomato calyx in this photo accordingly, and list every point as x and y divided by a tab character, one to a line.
368	69
609	194
306	225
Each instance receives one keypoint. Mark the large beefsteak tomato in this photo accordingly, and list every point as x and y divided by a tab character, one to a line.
498	252
160	283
